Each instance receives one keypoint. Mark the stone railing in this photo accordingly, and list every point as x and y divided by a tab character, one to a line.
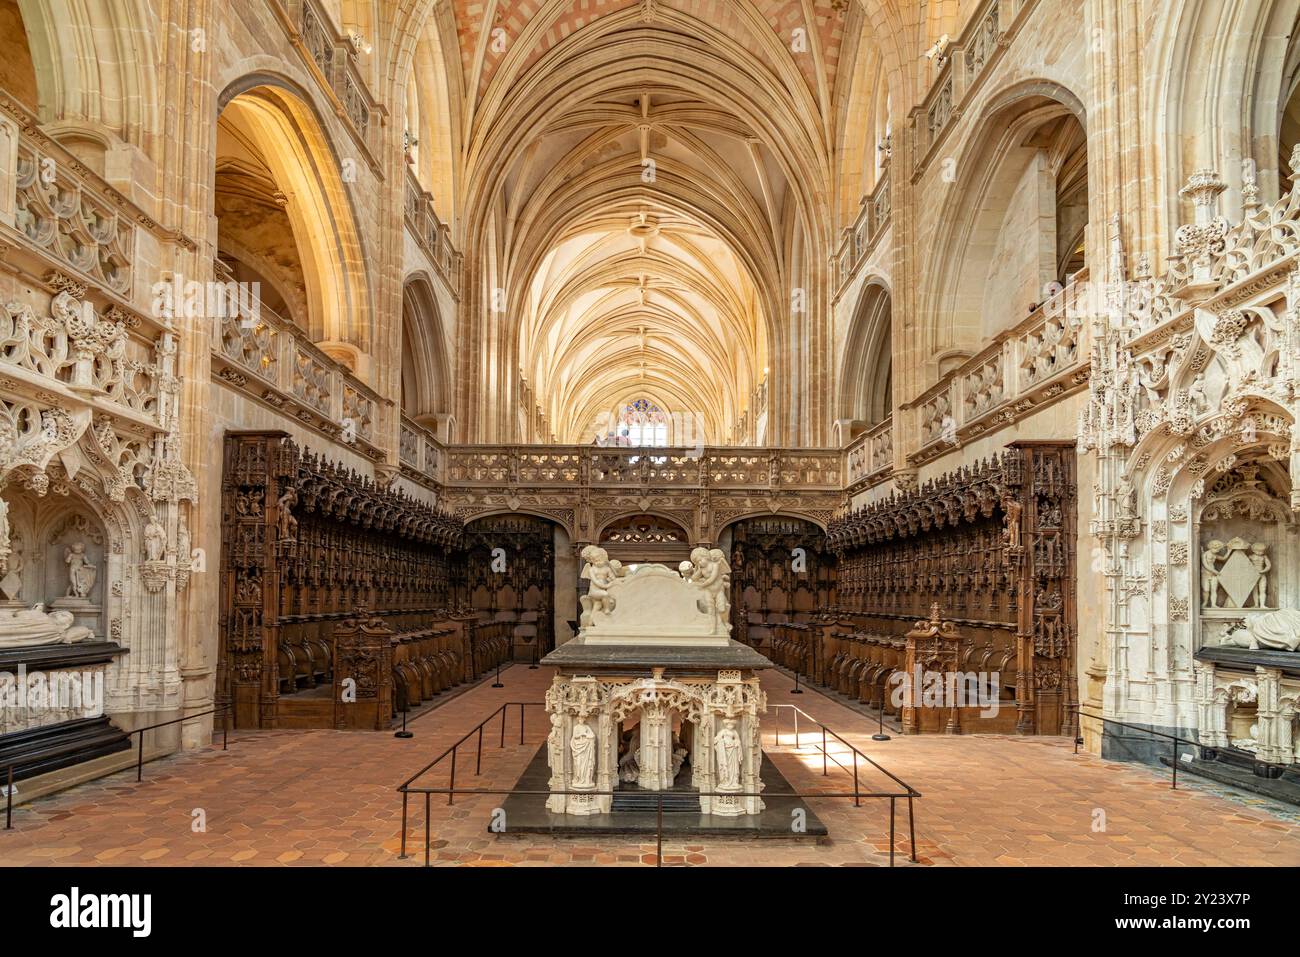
966	63
274	361
869	458
1021	370
589	466
860	239
65	216
334	56
419	453
433	235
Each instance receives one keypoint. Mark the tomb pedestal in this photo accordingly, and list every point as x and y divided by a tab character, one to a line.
653	654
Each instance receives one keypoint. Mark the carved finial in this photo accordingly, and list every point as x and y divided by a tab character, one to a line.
1203	188
934	611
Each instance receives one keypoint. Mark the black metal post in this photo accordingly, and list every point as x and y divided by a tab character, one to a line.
139	760
503	726
521	722
405	796
857	799
911	827
825	771
533	666
404	733
225	726
451	791
880	735
659	827
497	683
1173	764
891	832
796	689
478	760
9	800
427	798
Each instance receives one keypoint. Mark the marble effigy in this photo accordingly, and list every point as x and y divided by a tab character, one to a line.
653	694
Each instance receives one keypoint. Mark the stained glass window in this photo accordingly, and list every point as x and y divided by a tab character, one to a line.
643	423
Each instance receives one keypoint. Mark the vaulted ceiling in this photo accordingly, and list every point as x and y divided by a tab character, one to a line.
644	182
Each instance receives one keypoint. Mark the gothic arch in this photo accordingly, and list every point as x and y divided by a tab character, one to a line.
95	65
1031	137
426	372
865	370
1224	69
279	124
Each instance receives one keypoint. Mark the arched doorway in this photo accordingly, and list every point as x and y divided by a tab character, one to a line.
642	539
510	577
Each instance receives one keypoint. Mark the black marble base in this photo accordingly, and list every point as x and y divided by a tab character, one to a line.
683	660
50	657
527	813
1284	788
1123	743
1247	659
41	750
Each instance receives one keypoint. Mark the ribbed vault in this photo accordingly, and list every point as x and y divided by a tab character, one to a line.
644	197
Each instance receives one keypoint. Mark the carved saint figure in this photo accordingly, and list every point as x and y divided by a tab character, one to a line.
11	584
582	745
4	532
287	525
81	574
726	750
183	540
155	540
1196	393
1214	550
1277	630
1011	523
1127	496
1262	565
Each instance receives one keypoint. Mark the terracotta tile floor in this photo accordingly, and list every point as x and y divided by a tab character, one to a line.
316	797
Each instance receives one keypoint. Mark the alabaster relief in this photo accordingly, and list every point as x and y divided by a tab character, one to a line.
1192	409
687	606
92	484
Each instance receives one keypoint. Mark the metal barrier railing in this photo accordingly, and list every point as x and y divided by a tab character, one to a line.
139	761
408	787
1176	739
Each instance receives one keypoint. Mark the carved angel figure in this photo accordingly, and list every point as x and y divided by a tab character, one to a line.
714	578
601	572
81	573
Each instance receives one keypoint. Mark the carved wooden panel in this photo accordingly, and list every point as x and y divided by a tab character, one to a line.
305	545
993	546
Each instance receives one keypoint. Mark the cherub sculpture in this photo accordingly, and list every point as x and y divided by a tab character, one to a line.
601	572
711	574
